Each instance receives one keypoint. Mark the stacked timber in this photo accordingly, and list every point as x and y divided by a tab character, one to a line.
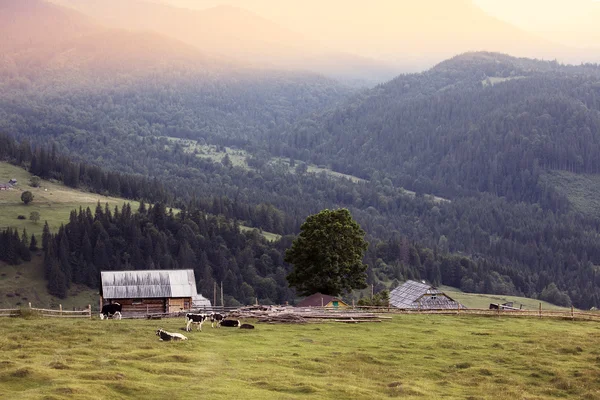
287	318
271	314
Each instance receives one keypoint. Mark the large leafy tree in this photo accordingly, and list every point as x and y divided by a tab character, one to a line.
327	255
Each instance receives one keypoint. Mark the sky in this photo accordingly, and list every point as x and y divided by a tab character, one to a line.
570	22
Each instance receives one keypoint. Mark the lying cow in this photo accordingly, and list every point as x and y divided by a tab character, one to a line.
167	336
197	319
246	326
230	323
111	310
216	317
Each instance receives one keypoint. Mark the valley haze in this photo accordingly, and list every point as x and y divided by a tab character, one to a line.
450	142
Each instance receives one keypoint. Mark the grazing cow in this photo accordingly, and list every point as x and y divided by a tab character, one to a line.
230	323
197	319
111	310
216	317
246	326
167	336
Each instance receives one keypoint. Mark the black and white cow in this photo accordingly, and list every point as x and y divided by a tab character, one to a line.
167	336
216	317
230	323
195	319
111	310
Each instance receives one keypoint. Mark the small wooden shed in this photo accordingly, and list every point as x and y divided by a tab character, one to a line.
150	291
322	300
422	296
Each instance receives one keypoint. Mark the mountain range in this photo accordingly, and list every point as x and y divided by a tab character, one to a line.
508	145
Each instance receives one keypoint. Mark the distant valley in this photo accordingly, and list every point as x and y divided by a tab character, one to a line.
479	173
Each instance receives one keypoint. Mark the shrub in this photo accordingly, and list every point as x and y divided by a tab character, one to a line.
21	217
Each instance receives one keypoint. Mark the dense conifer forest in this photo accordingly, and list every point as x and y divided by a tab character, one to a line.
481	130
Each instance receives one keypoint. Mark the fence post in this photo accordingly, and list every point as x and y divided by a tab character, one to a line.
90	310
30	305
540	312
60	309
498	311
572	313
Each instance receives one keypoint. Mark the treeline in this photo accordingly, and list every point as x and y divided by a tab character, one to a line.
47	163
155	238
15	249
452	132
430	132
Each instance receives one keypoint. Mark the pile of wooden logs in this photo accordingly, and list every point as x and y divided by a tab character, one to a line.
283	318
271	314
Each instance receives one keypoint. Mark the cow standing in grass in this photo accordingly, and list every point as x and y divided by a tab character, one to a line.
197	319
216	318
111	311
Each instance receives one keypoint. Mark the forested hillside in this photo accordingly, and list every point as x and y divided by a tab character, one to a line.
481	130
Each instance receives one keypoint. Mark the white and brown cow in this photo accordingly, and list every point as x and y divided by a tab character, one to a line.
197	319
168	336
111	311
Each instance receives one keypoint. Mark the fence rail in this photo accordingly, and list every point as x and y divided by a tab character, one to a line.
10	312
60	313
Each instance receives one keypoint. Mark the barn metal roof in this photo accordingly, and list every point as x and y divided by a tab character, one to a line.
148	284
418	295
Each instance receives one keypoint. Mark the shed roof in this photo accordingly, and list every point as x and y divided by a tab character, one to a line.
148	284
199	301
406	296
314	300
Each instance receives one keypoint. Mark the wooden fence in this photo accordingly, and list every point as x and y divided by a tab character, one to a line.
43	312
10	312
571	314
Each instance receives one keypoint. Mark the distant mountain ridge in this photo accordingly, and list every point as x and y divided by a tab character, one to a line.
237	34
451	131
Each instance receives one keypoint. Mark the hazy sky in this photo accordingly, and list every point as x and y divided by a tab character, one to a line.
572	22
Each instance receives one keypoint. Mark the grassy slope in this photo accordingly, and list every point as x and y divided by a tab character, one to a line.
54	205
582	190
25	283
453	357
476	300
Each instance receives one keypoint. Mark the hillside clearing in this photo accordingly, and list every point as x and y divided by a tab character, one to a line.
479	300
411	357
53	201
25	283
582	190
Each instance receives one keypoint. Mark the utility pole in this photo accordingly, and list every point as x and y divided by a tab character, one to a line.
222	301
215	295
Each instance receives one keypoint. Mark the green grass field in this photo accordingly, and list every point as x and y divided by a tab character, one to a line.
23	284
412	357
53	201
477	300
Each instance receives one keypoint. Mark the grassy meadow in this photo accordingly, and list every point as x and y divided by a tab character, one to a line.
53	201
23	284
411	356
479	300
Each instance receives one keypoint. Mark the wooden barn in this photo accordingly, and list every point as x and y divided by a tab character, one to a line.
149	292
322	300
422	296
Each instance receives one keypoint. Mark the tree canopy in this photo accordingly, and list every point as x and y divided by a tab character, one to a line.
327	255
27	197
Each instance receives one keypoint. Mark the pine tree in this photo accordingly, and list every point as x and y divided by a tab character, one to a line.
33	243
45	236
